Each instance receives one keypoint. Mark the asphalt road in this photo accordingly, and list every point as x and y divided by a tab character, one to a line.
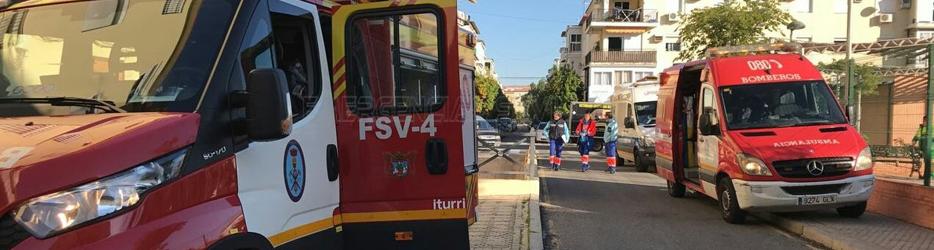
629	210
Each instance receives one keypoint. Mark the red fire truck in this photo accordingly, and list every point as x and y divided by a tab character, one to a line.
784	143
229	124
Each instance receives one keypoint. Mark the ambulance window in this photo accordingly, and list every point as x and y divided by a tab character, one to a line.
393	63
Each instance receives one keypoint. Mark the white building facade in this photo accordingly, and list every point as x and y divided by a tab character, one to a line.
623	41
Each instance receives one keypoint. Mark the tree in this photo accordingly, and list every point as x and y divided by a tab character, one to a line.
487	89
867	75
728	24
555	93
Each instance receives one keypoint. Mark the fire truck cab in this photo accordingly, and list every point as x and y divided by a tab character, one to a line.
229	124
759	133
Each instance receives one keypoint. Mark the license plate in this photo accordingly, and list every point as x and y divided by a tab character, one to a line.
817	200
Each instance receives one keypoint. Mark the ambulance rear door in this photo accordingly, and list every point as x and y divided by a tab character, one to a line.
400	125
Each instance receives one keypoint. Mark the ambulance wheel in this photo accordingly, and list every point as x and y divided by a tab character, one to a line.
729	207
676	189
854	211
637	161
597	147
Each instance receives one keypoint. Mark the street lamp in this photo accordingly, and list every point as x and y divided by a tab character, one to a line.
792	26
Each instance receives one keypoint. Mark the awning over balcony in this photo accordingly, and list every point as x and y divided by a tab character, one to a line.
625	30
625	57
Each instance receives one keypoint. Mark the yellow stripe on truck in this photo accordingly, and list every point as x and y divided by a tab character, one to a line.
411	215
301	231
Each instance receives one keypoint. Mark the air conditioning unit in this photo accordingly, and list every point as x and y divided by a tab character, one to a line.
885	18
906	4
674	17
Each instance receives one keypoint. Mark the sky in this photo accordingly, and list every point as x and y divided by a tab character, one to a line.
523	36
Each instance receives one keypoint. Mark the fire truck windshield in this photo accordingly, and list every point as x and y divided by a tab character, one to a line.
780	105
129	53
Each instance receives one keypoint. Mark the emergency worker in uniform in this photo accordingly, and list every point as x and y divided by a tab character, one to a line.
609	139
558	133
586	129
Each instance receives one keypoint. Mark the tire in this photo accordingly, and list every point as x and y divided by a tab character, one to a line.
675	189
597	146
637	161
729	206
854	211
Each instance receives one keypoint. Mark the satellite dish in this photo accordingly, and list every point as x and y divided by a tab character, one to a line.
796	25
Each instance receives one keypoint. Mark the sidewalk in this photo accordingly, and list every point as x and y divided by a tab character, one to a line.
505	217
871	231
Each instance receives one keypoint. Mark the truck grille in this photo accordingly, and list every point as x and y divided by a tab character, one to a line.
810	190
835	166
11	233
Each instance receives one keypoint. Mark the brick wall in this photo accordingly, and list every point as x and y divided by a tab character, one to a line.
907	202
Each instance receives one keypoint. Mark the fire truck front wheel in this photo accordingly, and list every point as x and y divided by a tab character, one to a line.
854	211
729	206
676	189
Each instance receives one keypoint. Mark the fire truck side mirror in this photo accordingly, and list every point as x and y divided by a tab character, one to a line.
267	108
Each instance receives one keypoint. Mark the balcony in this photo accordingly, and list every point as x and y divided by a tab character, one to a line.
622	57
636	18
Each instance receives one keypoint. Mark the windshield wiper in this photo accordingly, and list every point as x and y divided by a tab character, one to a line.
106	106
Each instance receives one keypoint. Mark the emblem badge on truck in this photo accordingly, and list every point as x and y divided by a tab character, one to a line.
816	168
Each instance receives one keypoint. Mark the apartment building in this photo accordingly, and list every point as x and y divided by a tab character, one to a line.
484	65
622	41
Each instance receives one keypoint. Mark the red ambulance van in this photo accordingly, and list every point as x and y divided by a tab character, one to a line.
759	133
233	124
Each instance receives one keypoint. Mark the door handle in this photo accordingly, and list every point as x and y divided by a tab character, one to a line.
333	163
436	156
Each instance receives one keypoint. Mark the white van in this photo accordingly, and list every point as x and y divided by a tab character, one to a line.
634	111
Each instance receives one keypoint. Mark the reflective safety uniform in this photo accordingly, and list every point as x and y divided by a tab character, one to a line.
609	139
557	133
586	130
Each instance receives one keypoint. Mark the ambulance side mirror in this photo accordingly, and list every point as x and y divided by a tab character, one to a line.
628	122
267	105
709	122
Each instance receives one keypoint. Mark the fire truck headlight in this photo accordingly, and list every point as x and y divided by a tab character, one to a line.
864	161
753	166
53	213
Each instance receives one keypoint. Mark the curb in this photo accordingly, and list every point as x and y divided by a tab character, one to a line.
815	234
536	235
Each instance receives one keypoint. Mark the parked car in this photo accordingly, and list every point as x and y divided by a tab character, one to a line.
487	134
507	124
540	135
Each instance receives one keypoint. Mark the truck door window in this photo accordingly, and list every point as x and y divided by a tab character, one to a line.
393	63
296	54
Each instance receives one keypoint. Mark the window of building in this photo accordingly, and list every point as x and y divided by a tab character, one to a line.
602	78
802	39
392	63
575	43
673	46
642	75
839	40
615	44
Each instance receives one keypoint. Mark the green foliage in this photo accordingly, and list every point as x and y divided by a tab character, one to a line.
490	100
555	93
487	88
867	75
728	24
